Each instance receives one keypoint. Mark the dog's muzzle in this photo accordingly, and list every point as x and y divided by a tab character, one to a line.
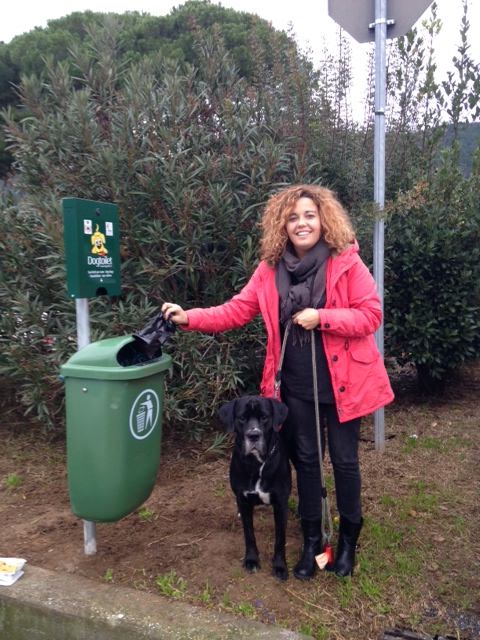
254	441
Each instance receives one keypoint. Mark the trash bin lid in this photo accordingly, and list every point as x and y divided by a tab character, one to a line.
98	360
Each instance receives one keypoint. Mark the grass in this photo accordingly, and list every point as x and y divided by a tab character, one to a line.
226	600
319	632
382	536
238	607
145	514
108	575
220	490
388	501
370	588
13	481
293	506
171	585
244	609
207	594
434	443
408	563
329	485
422	500
459	526
345	593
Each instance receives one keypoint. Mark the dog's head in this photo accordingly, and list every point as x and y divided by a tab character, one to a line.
253	419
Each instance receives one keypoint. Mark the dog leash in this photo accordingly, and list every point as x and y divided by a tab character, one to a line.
278	375
326	557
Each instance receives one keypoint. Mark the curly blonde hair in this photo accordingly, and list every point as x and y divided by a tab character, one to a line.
337	230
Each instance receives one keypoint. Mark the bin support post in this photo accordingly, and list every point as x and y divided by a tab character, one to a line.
83	322
89	538
83	338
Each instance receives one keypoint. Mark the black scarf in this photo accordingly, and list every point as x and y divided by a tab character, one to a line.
301	284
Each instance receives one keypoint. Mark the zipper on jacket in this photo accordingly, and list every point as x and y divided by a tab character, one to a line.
347	344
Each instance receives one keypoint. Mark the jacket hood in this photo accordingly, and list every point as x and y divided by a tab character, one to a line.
352	248
351	253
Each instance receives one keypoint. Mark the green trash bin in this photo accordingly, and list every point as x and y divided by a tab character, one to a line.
114	428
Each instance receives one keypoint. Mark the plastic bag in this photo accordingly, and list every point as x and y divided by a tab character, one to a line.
154	335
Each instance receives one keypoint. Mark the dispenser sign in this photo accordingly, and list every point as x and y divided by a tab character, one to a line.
144	414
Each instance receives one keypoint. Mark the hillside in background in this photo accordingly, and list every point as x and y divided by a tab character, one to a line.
468	139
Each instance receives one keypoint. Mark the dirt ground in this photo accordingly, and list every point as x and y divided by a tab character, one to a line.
186	540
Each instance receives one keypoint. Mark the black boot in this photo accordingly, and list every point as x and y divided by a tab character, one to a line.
347	544
312	546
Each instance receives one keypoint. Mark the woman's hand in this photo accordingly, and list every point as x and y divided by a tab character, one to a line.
307	318
174	312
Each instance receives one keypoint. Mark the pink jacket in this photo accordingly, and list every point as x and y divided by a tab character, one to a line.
351	315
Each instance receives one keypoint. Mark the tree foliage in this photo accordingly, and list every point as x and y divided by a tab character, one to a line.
138	36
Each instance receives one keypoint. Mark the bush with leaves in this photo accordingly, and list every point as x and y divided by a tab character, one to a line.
189	156
432	274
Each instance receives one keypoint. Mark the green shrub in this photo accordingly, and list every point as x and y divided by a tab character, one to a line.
432	276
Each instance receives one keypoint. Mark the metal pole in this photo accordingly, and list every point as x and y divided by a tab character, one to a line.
379	182
83	338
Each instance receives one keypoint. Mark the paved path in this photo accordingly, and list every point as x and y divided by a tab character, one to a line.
44	605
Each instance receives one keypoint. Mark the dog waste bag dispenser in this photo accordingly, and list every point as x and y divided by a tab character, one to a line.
92	248
114	428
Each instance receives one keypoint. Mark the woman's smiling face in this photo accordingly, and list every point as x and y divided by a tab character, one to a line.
303	226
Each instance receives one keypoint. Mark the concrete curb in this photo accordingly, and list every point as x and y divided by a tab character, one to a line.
44	605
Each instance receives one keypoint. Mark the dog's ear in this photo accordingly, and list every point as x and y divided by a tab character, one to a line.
226	414
279	413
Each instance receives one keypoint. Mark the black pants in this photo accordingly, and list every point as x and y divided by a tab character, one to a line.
300	437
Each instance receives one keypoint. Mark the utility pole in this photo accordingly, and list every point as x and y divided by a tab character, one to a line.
368	20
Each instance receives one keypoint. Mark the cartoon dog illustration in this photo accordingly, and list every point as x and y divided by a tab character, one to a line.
98	243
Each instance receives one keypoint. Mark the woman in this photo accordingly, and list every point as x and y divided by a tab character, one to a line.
311	274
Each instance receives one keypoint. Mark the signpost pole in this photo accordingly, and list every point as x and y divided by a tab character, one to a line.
379	184
356	16
83	338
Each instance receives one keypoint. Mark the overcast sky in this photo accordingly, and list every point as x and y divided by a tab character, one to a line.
309	19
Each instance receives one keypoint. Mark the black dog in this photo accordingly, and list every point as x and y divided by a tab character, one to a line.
259	471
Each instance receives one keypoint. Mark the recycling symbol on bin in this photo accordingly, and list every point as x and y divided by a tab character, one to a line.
144	414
